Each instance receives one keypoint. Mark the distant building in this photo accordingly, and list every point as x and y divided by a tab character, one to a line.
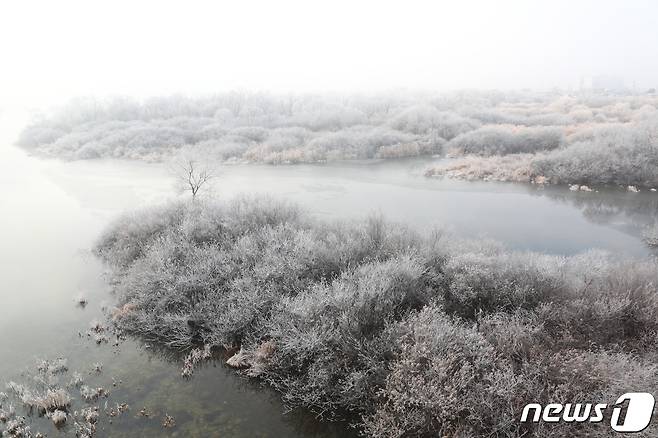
602	83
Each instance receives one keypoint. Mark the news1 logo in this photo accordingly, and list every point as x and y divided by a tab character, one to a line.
635	416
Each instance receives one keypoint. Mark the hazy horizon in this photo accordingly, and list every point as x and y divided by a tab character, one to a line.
54	51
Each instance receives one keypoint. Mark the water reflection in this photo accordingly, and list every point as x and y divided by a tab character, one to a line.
626	212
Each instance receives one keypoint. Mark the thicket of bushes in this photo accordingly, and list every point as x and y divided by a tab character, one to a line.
308	128
625	155
403	334
615	154
246	127
504	140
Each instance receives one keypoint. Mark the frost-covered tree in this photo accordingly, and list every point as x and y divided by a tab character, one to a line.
191	174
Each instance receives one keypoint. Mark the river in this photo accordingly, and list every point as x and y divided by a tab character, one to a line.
51	212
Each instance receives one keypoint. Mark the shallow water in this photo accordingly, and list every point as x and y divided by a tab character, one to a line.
51	213
522	216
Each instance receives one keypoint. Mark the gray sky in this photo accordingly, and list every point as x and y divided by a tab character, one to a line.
52	50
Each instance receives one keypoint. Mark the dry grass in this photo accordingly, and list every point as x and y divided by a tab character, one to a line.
515	167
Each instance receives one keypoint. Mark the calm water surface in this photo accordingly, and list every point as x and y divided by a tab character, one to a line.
51	213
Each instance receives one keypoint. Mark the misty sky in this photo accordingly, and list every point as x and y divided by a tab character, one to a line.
53	50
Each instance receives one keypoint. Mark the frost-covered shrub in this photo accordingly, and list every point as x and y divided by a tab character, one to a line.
40	133
503	140
449	125
225	149
128	238
245	256
650	235
498	116
592	154
445	381
402	334
360	142
338	335
477	284
454	379
326	116
621	156
616	305
426	119
253	133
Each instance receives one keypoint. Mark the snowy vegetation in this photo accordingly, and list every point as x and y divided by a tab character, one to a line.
625	155
49	393
246	127
401	333
651	235
308	128
585	139
505	139
613	144
514	167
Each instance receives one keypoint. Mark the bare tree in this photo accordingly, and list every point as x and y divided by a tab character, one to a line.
192	175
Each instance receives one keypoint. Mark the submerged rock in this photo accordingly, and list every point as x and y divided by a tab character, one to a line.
81	301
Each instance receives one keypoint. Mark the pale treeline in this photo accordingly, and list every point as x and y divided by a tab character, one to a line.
246	127
511	136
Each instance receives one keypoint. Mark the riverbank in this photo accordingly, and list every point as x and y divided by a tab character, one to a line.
607	155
